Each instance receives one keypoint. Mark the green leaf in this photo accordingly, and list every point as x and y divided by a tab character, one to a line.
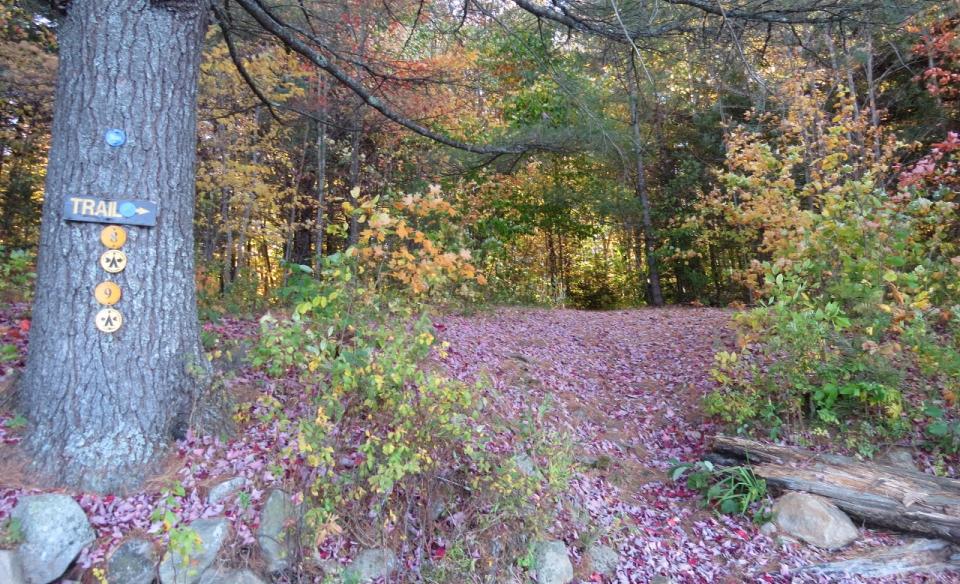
729	506
938	428
896	261
678	471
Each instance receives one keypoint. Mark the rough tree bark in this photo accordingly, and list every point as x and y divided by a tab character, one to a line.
103	407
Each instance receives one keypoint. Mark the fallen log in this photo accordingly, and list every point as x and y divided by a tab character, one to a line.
878	494
924	556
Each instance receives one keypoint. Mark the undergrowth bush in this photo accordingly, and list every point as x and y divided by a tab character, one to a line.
360	342
732	490
856	329
16	275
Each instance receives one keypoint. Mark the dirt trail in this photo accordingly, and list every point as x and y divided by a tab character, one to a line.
627	385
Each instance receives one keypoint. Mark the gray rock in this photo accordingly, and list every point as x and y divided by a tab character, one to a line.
437	509
10	570
551	563
525	464
587	460
228	576
769	529
603	559
134	562
899	457
224	489
55	529
176	569
370	565
661	580
814	520
329	567
279	531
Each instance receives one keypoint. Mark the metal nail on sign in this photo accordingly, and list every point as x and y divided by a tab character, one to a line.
122	212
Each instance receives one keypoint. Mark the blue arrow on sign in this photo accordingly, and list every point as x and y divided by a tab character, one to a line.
117	212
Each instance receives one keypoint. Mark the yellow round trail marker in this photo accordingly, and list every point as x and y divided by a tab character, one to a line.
108	320
113	237
107	293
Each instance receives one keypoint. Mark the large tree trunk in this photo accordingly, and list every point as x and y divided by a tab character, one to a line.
103	407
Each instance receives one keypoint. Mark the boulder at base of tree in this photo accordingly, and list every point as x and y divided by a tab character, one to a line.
55	529
175	569
551	563
814	520
134	562
371	565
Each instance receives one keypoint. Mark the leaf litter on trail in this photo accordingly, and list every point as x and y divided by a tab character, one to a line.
625	386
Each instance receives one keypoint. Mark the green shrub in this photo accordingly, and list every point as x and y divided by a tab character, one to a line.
16	275
359	339
733	490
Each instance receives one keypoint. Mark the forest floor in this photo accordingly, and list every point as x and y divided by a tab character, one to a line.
624	386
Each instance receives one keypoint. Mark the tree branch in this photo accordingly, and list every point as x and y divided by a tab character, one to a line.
238	63
566	13
581	24
289	37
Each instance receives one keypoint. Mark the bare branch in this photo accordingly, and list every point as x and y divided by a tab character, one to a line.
238	63
289	37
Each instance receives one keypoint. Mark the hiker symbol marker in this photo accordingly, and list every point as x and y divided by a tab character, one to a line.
109	320
113	261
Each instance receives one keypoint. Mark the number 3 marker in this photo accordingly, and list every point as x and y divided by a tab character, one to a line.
113	237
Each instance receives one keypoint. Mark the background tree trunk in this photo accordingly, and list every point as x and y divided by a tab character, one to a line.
322	95
649	245
356	129
102	407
